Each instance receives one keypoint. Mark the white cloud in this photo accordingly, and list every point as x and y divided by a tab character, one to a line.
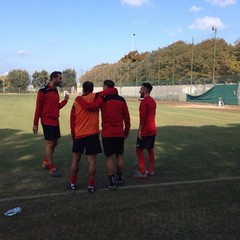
135	3
23	52
4	74
195	9
222	3
206	23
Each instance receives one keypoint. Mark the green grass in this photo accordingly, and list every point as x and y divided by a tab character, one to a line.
192	144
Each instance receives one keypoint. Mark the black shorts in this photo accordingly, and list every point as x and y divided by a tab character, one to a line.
51	132
146	142
113	145
89	145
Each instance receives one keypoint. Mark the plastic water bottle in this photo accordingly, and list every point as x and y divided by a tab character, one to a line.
13	211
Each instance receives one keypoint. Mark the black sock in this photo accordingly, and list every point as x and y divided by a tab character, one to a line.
119	175
112	179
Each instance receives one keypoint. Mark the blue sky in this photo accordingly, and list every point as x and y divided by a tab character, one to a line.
58	34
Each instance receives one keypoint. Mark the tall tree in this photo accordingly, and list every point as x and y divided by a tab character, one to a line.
4	81
19	79
69	78
39	79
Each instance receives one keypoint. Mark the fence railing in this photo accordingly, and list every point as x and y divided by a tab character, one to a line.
162	92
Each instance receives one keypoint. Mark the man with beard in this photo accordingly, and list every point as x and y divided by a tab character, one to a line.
48	108
147	132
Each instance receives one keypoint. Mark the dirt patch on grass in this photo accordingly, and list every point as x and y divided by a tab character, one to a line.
212	107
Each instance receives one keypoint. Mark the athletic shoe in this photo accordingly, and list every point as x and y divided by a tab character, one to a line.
112	186
45	165
55	173
139	175
120	181
112	182
150	173
71	186
91	189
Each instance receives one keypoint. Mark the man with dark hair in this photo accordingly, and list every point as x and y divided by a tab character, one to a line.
147	131
48	108
108	84
115	128
85	135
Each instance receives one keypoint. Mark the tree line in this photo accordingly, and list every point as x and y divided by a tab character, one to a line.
19	80
178	63
210	61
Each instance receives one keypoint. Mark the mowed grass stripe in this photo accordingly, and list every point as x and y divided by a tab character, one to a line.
220	118
200	181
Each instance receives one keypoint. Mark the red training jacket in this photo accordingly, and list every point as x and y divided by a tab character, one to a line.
48	106
115	114
147	112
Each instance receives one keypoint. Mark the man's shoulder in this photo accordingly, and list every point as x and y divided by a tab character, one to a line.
114	97
149	98
148	101
78	97
89	96
46	89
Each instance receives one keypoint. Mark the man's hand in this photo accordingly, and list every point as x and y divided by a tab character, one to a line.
35	129
66	96
139	134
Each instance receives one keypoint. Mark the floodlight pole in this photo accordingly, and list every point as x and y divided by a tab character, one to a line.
192	60
192	66
133	35
173	67
214	52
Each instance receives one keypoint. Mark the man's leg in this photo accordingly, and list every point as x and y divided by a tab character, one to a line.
110	172
141	163
74	170
110	165
151	156
141	160
91	169
120	164
49	150
91	172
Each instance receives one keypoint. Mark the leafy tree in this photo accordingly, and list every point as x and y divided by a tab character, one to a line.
177	63
133	57
236	50
18	79
3	81
39	79
69	78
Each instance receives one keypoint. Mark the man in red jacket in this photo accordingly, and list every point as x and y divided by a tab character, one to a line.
48	108
115	128
146	132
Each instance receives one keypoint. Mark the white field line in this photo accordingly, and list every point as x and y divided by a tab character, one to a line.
120	188
199	116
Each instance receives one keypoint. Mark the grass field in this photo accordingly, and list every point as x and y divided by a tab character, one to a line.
194	195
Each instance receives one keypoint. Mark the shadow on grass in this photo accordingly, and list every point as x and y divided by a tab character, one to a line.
182	153
185	153
194	211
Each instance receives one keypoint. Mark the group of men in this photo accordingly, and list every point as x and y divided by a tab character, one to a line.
84	123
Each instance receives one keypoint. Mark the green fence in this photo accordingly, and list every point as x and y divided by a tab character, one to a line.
227	93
